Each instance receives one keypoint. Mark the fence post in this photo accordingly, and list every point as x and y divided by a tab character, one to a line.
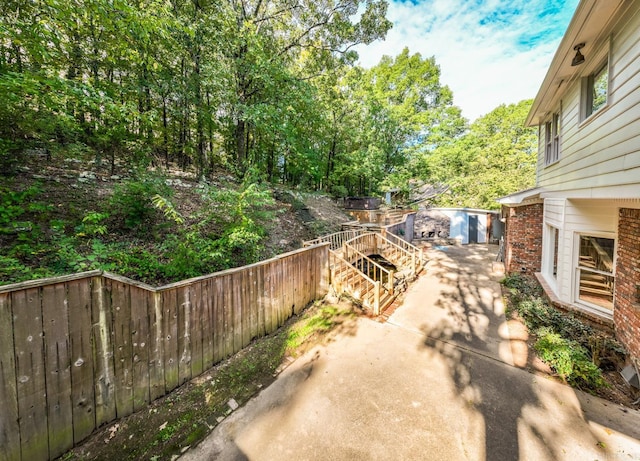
376	298
413	261
391	281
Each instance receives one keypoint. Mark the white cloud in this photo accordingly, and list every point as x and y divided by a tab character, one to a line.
489	52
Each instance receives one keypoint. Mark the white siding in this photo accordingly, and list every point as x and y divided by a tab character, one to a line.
459	227
603	150
554	212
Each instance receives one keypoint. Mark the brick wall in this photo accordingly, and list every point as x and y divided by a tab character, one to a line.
523	238
626	313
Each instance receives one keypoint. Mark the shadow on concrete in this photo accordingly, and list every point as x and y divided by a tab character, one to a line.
470	337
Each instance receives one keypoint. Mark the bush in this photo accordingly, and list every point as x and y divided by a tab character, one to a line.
569	359
132	201
574	349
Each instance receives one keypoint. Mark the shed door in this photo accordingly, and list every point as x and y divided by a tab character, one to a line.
473	228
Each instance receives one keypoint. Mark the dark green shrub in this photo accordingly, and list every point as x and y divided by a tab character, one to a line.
132	201
569	359
572	347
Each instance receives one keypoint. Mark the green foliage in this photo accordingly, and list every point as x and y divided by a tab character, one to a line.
569	359
12	270
575	350
496	157
92	225
163	204
14	204
132	200
137	263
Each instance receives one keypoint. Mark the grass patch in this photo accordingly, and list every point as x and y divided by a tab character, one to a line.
187	415
576	351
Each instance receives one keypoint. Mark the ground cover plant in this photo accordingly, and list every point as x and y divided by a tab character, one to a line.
135	227
579	353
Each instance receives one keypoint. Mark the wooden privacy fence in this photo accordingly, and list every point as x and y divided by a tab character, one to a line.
79	351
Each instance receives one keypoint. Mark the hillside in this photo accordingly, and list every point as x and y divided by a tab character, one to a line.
60	216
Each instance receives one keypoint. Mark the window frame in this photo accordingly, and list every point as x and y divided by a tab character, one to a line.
587	110
552	140
577	268
551	246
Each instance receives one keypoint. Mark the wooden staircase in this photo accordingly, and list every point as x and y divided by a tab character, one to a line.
374	281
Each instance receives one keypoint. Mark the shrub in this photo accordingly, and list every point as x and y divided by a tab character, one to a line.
569	359
132	201
573	348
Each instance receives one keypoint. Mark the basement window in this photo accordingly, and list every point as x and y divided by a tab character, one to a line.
596	271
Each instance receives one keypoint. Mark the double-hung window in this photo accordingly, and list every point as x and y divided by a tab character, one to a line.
552	140
595	90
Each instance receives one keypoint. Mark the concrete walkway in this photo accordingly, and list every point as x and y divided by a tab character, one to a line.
438	381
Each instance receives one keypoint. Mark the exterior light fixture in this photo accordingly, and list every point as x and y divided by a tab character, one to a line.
579	57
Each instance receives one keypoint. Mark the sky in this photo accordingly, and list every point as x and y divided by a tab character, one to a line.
490	52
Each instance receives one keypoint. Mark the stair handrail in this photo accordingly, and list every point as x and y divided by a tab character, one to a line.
416	260
335	240
375	286
348	249
411	246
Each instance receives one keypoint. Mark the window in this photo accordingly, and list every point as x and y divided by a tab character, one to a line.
595	271
552	140
550	255
596	90
554	266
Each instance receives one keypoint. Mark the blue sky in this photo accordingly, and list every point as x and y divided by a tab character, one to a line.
490	52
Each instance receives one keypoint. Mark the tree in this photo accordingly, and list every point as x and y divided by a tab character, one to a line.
401	110
496	157
266	37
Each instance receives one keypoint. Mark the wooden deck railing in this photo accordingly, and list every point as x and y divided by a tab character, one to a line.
335	240
369	267
346	278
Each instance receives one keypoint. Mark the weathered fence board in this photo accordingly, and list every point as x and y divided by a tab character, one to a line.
170	331
82	383
156	349
78	351
121	305
9	429
139	346
30	373
184	331
196	333
55	322
104	367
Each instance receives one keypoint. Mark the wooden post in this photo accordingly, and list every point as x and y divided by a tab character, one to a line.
376	298
413	261
391	281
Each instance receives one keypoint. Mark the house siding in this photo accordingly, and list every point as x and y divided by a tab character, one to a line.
594	187
603	150
627	305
